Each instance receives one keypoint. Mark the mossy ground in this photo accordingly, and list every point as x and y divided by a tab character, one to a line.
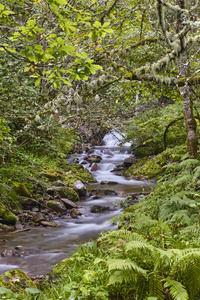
152	166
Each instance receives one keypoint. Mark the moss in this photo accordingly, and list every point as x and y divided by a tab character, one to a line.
6	216
152	166
16	280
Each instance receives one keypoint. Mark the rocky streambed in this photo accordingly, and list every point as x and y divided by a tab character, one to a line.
51	230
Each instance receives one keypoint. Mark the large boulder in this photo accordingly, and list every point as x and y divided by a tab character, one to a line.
57	206
129	161
6	216
63	192
80	188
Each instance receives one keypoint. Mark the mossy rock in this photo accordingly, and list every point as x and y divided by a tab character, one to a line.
147	150
6	216
57	206
77	172
54	174
63	192
16	280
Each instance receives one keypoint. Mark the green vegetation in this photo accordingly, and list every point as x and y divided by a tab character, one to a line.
70	72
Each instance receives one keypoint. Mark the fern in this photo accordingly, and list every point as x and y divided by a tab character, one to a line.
180	216
123	234
125	264
196	173
189	164
122	276
191	278
183	180
177	290
155	286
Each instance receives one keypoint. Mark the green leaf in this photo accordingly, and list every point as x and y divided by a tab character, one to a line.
31	23
37	82
97	24
62	2
4	290
33	291
97	67
177	290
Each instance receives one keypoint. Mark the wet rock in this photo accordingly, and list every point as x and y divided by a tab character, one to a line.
48	224
94	167
39	217
18	225
99	208
94	159
63	192
76	160
18	247
121	194
35	209
74	213
80	188
109	192
7	252
118	170
58	183
89	149
57	206
129	161
68	203
108	182
84	162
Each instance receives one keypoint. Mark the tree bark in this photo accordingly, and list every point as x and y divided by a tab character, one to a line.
185	92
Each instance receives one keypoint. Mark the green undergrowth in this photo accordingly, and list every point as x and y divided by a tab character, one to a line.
155	253
152	166
28	177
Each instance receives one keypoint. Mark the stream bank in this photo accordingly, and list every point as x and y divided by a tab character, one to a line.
48	246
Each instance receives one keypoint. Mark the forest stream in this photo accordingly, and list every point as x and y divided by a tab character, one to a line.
41	248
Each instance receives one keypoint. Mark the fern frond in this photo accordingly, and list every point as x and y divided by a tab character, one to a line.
183	179
189	164
122	276
191	278
172	167
196	173
181	216
125	264
155	286
165	211
183	261
122	234
135	245
177	290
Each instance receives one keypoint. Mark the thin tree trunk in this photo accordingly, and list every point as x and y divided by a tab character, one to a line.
184	70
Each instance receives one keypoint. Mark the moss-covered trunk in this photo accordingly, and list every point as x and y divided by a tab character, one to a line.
184	70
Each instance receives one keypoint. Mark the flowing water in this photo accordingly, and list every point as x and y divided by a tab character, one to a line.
44	247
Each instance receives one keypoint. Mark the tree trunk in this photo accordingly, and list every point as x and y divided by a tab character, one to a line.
184	70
